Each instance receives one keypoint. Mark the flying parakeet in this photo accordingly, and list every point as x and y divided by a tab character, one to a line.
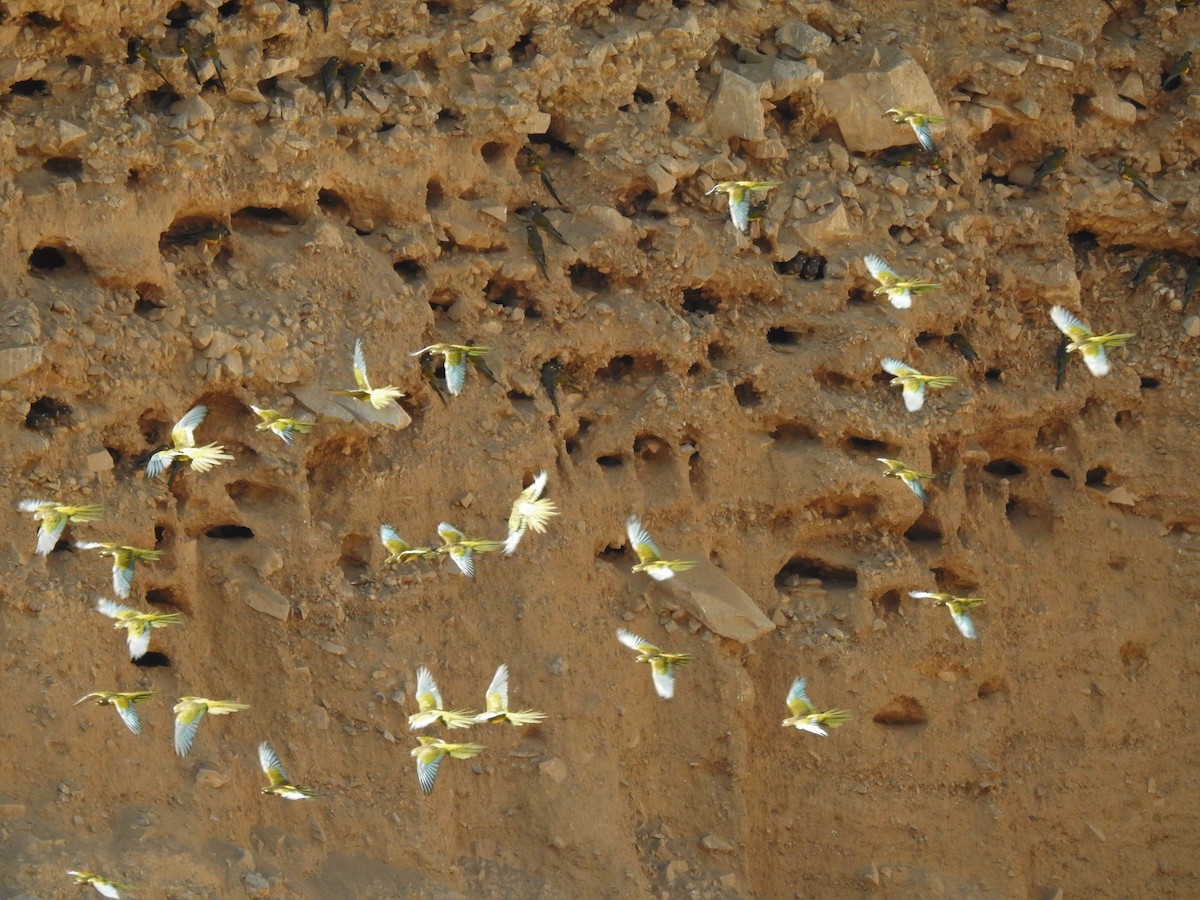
457	357
497	704
529	511
662	664
898	290
53	518
740	193
919	122
124	558
278	423
805	716
280	785
103	886
914	383
958	607
399	550
377	397
183	447
190	711
430	754
911	477
137	625
1089	344
123	702
429	706
462	549
650	560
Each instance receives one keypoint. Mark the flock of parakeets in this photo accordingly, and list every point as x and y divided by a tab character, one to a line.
531	511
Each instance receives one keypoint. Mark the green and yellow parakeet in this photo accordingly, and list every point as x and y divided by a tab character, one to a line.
530	510
898	290
1089	344
280	785
377	397
124	558
662	664
183	447
429	706
278	423
919	122
457	357
739	193
399	550
430	754
497	704
958	607
103	886
805	716
53	517
137	625
190	711
911	477
650	559
462	549
123	702
914	383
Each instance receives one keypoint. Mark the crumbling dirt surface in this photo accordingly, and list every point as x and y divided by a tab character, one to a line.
714	384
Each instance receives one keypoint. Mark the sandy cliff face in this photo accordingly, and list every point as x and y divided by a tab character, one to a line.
169	245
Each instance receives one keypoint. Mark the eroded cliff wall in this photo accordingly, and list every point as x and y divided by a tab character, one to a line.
169	243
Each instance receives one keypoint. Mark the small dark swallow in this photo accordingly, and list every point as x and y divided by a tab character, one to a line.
1130	174
534	238
1174	75
538	215
481	364
1060	362
963	346
208	47
139	49
209	234
1191	285
351	76
1050	164
1149	267
429	374
329	78
537	164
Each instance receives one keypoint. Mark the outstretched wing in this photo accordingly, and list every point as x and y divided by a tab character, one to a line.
428	695
496	698
962	619
920	125
1095	359
739	208
456	371
270	765
392	541
187	721
633	642
663	674
128	714
427	769
797	698
360	367
914	396
641	541
449	534
1069	324
880	270
114	610
897	368
183	434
